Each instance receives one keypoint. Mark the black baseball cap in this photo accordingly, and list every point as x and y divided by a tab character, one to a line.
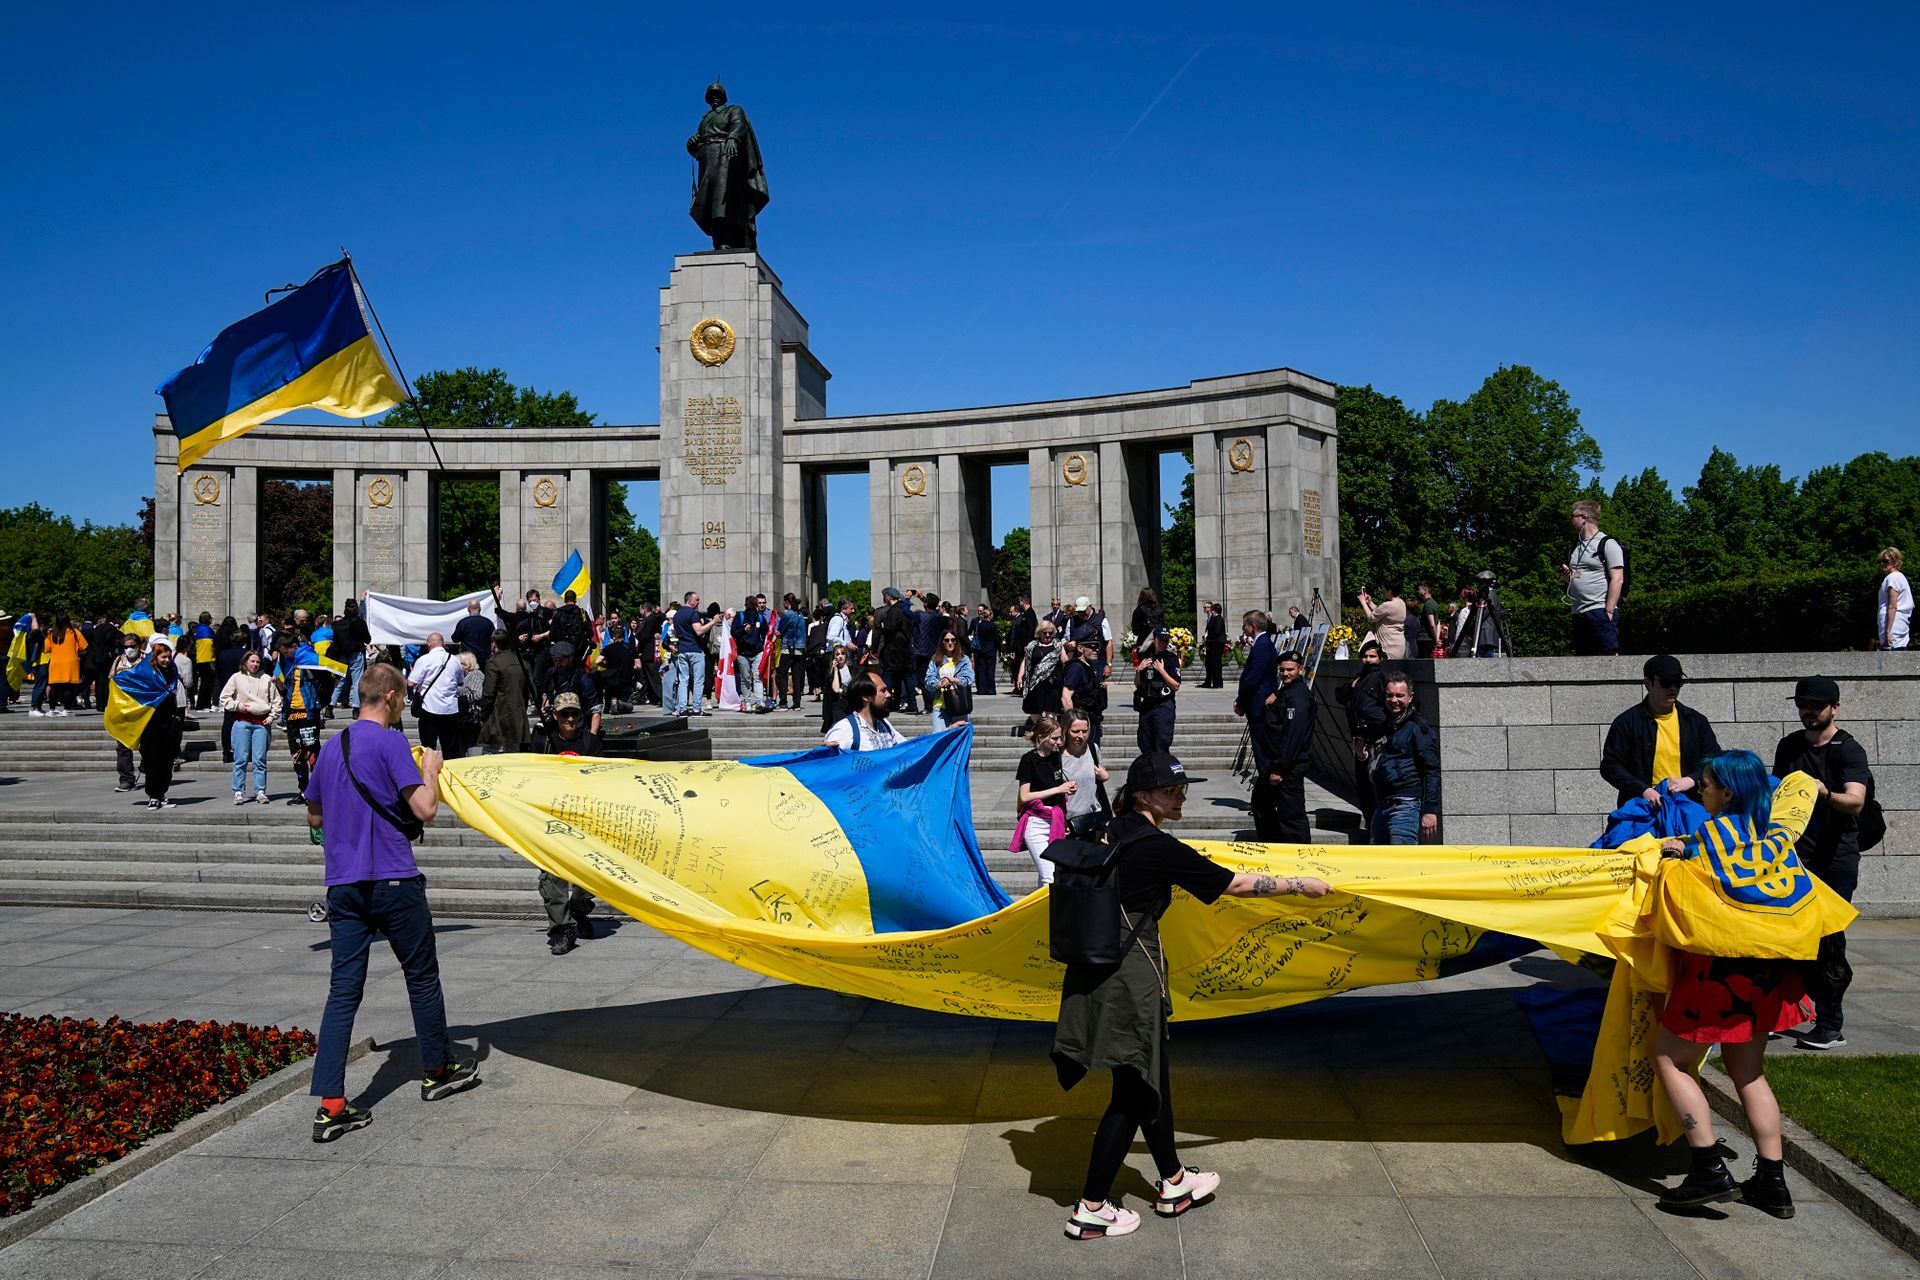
561	649
1154	769
1823	689
1663	666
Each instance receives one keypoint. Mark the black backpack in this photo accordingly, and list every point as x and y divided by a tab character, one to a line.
1086	922
1626	561
570	624
1091	697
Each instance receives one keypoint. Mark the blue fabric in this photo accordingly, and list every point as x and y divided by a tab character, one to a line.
909	815
357	914
1678	815
793	631
266	351
1566	1024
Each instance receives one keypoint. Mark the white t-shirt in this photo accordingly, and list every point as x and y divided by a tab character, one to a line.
1895	581
871	737
440	690
1079	769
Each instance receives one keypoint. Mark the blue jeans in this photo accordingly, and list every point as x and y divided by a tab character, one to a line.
686	680
357	913
347	694
249	743
1595	633
1396	822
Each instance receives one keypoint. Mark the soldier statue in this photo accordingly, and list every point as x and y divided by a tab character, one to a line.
729	182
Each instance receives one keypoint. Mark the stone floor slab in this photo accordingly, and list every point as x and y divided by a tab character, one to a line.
230	1200
661	1134
1515	1238
994	1233
1820	1242
828	1229
911	1149
398	1209
651	1226
43	1258
1240	1237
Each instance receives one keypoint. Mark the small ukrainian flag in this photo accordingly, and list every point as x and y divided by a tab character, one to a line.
573	576
310	350
134	694
315	656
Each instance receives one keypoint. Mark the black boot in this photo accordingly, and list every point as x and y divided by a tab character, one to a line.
561	940
1767	1190
1707	1182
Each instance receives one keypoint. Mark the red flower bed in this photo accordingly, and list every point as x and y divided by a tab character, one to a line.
74	1094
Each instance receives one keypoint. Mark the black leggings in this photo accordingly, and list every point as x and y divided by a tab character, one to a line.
1134	1109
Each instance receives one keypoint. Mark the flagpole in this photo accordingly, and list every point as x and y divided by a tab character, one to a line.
393	359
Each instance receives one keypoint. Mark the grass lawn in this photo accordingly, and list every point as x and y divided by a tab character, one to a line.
1868	1108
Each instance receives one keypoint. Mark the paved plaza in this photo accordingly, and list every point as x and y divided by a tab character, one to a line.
649	1111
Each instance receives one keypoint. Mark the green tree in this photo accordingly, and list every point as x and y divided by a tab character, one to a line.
1868	504
1740	521
51	565
1176	587
1394	521
633	555
1512	454
469	510
1012	569
1644	516
296	547
858	590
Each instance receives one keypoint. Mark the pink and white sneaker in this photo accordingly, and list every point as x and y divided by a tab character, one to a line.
1095	1224
1175	1198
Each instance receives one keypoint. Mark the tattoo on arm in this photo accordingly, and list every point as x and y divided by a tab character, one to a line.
1265	885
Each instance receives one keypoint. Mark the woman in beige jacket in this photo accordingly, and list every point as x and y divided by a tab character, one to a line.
254	699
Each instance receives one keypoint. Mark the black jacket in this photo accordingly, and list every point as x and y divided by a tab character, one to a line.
1024	628
1406	763
1627	759
1216	633
1282	734
895	625
1366	702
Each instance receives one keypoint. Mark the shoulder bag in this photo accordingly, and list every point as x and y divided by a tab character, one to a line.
405	823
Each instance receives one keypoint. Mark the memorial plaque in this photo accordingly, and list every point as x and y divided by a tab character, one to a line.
379	556
543	528
1310	541
713	446
205	547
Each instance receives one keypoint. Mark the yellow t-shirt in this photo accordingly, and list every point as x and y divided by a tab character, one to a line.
1666	746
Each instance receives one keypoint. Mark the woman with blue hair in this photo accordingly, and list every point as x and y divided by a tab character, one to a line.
1735	1001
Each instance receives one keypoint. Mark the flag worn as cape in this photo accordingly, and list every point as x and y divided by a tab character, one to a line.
131	697
313	349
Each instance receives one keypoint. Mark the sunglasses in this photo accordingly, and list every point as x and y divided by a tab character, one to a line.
1812	704
1671	685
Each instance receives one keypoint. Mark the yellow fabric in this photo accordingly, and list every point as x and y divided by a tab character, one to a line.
17	661
123	718
142	627
353	382
1666	746
1681	904
746	864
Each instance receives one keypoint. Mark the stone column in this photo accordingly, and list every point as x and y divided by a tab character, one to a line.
724	325
1075	475
914	502
513	584
1285	584
417	574
346	582
580	534
244	530
959	514
166	540
380	503
1244	549
1123	507
546	499
880	526
1316	515
1041	480
1207	580
206	541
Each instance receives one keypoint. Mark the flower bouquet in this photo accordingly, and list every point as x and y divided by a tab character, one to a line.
1340	639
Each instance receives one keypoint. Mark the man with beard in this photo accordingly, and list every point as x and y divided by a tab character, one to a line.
1406	771
865	726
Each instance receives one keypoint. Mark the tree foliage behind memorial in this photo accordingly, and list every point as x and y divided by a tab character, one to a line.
633	554
296	547
1012	569
1743	558
49	564
469	510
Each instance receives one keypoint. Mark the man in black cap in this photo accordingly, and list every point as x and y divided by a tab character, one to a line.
1657	739
563	675
1830	846
1283	725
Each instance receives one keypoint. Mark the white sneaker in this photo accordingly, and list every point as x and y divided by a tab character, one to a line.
238	798
58	711
1095	1224
261	798
35	711
1172	1200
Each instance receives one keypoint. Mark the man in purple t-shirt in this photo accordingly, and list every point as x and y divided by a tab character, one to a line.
365	794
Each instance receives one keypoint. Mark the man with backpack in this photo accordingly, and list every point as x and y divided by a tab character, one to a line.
1596	577
1845	821
1081	688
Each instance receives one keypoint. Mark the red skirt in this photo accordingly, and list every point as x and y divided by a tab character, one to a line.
1719	1000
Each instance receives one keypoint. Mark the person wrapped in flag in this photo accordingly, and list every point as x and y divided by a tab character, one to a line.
144	714
304	708
313	349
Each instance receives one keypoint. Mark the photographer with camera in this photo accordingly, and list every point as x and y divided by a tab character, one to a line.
564	675
369	810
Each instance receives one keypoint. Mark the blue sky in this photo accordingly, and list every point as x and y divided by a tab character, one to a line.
1700	219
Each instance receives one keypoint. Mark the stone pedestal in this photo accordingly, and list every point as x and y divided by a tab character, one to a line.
382	503
727	338
206	530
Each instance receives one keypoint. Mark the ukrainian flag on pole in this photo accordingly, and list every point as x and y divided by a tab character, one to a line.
573	576
312	349
133	695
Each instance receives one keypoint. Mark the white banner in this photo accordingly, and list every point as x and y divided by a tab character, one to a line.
405	620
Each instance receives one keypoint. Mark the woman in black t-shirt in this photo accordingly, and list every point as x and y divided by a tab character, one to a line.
1041	788
1116	1017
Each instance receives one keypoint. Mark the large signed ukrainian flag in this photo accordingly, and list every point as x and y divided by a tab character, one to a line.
310	350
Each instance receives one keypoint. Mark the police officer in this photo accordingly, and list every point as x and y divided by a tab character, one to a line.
1280	792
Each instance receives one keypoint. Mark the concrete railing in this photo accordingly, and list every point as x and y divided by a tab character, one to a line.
1520	741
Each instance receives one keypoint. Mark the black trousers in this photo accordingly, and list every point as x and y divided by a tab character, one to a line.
1828	975
158	746
650	683
985	668
1363	792
1214	654
1135	1109
1155	732
442	732
788	684
919	676
1280	810
900	680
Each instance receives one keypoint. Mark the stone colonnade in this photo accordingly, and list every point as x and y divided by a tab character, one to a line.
742	453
